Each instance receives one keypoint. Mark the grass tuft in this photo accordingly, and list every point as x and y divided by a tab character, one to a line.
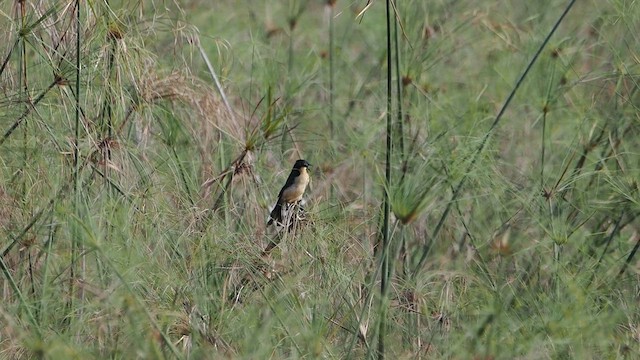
142	146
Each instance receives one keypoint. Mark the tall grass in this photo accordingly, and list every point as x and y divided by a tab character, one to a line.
142	148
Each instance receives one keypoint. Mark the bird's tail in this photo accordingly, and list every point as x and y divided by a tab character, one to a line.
276	214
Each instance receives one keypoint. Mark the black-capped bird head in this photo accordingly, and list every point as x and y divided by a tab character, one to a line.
301	164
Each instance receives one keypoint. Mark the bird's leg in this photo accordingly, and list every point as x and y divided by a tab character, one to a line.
295	215
300	213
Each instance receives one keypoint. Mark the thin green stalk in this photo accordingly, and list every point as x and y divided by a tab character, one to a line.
76	249
17	239
609	240
183	175
331	86
76	151
216	81
557	251
44	292
107	109
370	293
476	154
22	75
26	112
629	258
8	57
400	125
16	290
384	283
545	110
331	4
543	146
22	81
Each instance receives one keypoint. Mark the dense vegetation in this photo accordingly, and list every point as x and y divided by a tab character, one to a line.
144	142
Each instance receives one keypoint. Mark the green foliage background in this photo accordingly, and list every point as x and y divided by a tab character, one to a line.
133	202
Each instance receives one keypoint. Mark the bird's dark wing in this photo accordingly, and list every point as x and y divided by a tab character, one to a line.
276	213
290	180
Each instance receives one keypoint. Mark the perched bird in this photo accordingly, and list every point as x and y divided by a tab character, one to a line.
292	190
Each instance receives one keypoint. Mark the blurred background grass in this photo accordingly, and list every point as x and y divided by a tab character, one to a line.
149	245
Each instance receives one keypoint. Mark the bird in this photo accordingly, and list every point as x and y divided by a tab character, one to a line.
292	190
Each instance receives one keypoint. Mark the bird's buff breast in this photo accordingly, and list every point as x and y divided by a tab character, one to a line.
294	192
